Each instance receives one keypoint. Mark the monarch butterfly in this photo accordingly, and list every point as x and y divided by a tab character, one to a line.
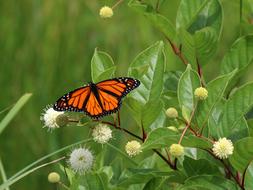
97	100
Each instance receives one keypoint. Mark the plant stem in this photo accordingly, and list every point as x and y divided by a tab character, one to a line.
116	4
10	182
167	161
142	139
188	124
157	6
177	51
227	169
243	176
3	173
63	185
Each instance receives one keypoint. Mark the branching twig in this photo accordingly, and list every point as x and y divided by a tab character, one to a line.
188	124
177	51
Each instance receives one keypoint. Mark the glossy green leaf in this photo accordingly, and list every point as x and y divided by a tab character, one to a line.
216	89
194	167
162	24
206	41
138	6
153	111
12	113
240	129
171	79
91	181
152	79
239	56
243	154
163	137
250	124
248	177
198	14
102	66
209	182
136	176
188	82
200	46
235	109
157	183
147	67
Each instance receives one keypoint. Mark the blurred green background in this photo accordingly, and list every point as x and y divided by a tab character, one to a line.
46	47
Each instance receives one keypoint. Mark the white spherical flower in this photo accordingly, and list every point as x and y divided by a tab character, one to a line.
172	112
106	12
201	93
49	117
102	133
133	148
81	160
176	150
223	148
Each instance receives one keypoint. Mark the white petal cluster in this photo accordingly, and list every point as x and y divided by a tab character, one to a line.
81	160
133	148
223	148
101	133
49	117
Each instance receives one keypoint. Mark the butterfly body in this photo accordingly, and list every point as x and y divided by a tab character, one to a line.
97	99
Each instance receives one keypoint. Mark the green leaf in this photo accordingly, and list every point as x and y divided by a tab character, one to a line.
208	182
136	176
12	113
216	89
198	14
102	66
188	82
250	124
200	46
152	79
171	79
153	111
248	177
198	167
138	6
234	110
148	67
243	154
157	183
162	24
91	181
239	56
206	41
163	137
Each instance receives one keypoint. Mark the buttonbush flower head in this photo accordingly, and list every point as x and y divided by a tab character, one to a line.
81	160
223	148
53	177
201	93
102	133
176	150
172	112
53	119
106	12
133	148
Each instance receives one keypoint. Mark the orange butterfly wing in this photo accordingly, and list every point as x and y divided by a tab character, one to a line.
74	100
112	91
97	100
